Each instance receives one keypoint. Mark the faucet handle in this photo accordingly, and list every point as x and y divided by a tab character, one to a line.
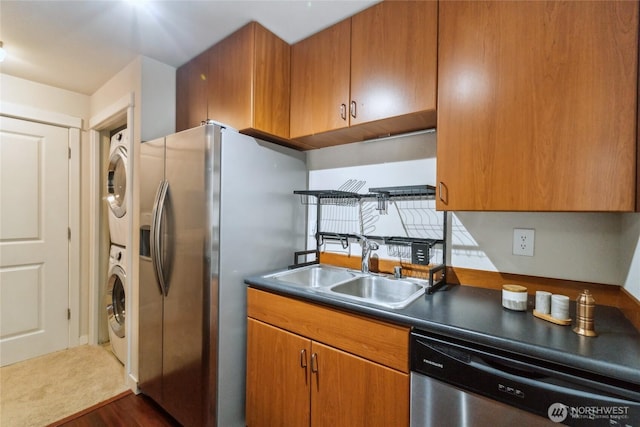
397	272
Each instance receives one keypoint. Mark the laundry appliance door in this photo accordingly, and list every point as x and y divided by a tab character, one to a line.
117	182
116	301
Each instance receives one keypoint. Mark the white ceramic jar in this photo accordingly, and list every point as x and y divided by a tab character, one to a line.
514	297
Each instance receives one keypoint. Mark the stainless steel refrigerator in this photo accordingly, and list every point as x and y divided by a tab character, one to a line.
215	207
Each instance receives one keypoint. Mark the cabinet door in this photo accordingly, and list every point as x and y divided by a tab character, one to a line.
536	105
230	79
277	377
271	83
393	59
249	82
320	81
347	390
191	92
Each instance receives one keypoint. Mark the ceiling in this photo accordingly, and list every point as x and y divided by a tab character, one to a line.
79	45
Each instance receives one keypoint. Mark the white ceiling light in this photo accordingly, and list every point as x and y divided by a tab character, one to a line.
3	53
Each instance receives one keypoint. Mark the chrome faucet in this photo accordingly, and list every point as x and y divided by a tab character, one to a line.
367	246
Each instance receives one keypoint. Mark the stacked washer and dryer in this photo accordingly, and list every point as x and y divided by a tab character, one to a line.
118	227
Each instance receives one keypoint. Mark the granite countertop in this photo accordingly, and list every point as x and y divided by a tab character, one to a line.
476	315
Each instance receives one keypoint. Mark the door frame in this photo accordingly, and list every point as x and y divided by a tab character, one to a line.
116	113
74	125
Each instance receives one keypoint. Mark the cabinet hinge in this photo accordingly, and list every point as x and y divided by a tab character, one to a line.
69	233
69	152
68	314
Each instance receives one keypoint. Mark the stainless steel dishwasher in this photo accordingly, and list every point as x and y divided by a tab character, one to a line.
458	383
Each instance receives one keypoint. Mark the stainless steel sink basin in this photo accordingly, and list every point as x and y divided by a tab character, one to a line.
315	276
383	291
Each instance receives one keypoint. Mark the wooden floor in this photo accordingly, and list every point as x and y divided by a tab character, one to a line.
126	410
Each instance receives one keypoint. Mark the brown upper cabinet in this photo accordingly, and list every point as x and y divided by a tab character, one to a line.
371	75
537	106
247	85
191	93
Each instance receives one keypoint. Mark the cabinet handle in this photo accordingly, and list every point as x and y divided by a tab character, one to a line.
353	109
303	364
303	358
443	193
343	111
314	363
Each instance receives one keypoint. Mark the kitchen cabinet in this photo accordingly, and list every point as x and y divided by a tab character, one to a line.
368	76
320	67
313	365
247	84
537	106
191	93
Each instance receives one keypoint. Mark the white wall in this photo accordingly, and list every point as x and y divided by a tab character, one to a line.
51	99
152	84
592	247
158	99
43	97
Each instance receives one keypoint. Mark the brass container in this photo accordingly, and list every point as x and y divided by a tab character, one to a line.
585	306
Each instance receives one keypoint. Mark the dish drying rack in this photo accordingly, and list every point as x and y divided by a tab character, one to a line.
417	250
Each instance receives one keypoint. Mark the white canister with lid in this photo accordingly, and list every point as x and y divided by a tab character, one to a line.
514	297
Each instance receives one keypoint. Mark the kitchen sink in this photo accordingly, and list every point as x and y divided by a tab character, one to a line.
379	290
383	291
315	276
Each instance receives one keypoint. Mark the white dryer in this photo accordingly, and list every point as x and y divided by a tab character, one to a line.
117	188
116	301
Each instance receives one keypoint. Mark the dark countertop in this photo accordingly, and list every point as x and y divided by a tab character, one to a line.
476	315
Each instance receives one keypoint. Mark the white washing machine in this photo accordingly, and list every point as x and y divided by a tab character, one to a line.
115	299
117	188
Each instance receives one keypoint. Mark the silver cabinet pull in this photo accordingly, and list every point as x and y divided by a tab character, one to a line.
314	363
343	111
303	364
353	109
303	358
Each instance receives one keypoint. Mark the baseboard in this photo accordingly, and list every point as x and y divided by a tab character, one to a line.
132	383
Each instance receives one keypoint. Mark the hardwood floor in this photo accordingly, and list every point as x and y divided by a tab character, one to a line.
126	410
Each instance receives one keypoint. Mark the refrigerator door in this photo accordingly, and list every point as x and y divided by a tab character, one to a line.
150	294
186	208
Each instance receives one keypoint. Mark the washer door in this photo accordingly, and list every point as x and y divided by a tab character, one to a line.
116	301
117	182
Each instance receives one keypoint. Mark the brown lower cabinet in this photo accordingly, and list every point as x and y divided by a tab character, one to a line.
297	380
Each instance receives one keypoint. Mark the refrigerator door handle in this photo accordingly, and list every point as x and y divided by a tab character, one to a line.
156	236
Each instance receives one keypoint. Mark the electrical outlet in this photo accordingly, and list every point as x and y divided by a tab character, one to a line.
523	241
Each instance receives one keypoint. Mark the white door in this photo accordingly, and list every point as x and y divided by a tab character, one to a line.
34	244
